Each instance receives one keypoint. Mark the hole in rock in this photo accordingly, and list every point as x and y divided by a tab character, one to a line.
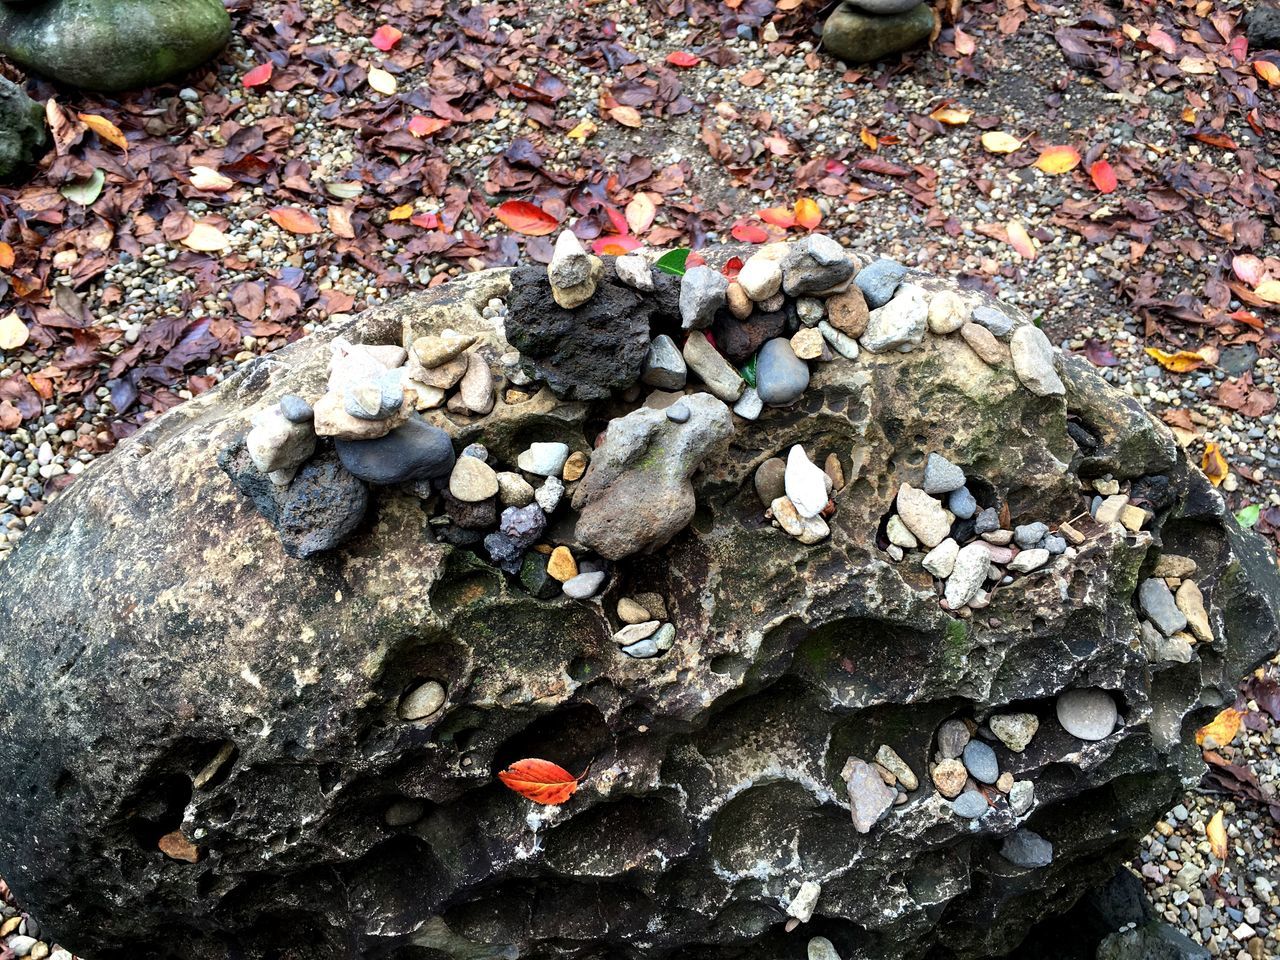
158	807
572	736
585	669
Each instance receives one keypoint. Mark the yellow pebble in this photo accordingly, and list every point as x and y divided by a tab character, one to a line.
562	566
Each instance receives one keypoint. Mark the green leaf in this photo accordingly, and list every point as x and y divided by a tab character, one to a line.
1248	516
748	371
673	262
85	192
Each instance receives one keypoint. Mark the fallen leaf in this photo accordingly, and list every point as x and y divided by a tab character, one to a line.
402	212
386	37
1104	177
340	223
682	59
382	81
259	75
1184	361
779	216
1219	140
540	781
674	262
752	78
1223	728
732	267
1248	516
615	245
1268	71
421	126
1217	835
6	256
640	213
105	129
870	139
207	178
10	416
997	141
1020	240
86	192
584	129
627	116
965	45
951	116
13	332
808	214
523	217
1268	290
748	232
294	220
206	238
177	847
1058	160
1214	464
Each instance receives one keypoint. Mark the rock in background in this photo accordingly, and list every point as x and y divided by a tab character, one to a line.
22	133
863	31
218	749
109	45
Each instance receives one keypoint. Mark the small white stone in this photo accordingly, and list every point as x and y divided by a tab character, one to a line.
634	271
544	459
805	483
941	559
760	277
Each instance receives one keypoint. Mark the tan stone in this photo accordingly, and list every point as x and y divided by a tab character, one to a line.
332	420
476	386
1072	535
444	376
575	466
1172	565
1132	517
848	312
438	349
1191	602
740	304
1109	509
808	344
949	777
631	612
562	566
984	343
831	467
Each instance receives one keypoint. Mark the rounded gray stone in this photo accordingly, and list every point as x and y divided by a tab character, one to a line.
980	761
781	376
1088	714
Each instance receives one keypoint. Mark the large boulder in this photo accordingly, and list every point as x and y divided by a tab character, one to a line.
112	45
859	35
22	133
209	748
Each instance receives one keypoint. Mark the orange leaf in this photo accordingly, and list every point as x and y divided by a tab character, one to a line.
403	212
1268	71
870	139
614	245
540	781
952	116
749	232
523	217
997	141
1217	835
1223	728
1213	464
1056	160
6	256
778	216
752	78
1219	140
177	847
294	220
259	75
808	213
627	116
640	213
1020	240
425	126
105	129
1184	361
386	37
1104	177
683	59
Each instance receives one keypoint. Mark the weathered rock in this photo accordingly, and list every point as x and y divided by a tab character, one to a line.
585	353
900	324
814	264
1158	604
664	367
770	480
22	131
180	625
109	45
1089	714
878	280
869	798
1014	730
1027	849
635	272
636	494
738	340
1262	25
1035	362
781	376
1154	941
923	515
761	276
573	273
715	371
702	293
413	451
860	37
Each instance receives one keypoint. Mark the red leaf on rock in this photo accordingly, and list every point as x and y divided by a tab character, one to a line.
1104	177
540	781
749	232
682	59
386	37
523	217
294	220
732	268
259	75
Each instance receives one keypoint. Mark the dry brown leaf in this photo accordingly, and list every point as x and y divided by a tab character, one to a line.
206	238
207	178
752	78
1217	835
340	223
1268	290
627	116
1222	728
640	213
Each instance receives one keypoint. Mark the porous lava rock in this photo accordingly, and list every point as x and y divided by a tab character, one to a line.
170	667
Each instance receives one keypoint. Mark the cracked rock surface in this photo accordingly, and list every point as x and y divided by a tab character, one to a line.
187	674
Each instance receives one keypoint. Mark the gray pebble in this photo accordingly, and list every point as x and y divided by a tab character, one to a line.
1027	849
980	761
971	805
962	503
584	585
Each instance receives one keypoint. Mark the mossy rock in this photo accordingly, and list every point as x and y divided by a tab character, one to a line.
22	133
112	45
860	37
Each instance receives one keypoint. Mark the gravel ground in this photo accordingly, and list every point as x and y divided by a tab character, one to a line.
763	113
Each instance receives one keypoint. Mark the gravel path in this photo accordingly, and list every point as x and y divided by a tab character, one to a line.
763	119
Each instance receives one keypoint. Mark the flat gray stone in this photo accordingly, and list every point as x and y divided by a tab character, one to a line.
716	372
1035	362
1027	849
664	367
703	291
1158	603
1089	714
781	376
994	319
900	324
879	279
971	805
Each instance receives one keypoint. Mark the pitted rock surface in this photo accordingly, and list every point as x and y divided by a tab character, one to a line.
182	631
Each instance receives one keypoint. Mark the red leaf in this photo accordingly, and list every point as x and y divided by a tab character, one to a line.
428	221
540	781
294	220
259	75
523	217
1219	140
779	216
618	219
386	37
425	126
732	268
614	245
1104	178
682	59
749	232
